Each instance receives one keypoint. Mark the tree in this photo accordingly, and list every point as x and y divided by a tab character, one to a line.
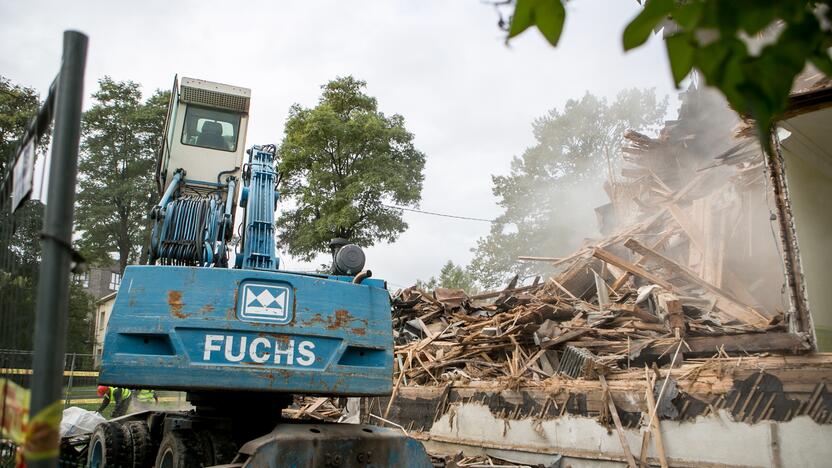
456	277
712	36
120	137
342	163
549	196
427	286
81	316
17	106
450	276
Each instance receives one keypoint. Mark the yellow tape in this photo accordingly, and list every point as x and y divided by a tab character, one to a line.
15	410
90	401
77	373
43	434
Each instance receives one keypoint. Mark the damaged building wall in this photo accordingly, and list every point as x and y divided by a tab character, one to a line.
776	409
714	440
807	151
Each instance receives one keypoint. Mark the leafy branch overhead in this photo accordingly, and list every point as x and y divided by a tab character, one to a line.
720	38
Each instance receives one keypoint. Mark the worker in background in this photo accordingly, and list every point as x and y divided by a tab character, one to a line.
119	396
145	400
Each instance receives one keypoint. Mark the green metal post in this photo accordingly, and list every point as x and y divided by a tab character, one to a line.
53	282
69	382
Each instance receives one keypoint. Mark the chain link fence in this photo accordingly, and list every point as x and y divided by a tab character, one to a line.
19	257
19	262
18	278
80	378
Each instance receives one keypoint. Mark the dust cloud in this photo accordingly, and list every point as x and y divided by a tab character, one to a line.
702	188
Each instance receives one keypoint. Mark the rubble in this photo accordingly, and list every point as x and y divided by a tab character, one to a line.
690	266
530	334
318	408
665	336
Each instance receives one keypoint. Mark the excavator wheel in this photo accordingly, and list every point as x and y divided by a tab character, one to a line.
108	446
217	448
141	444
179	449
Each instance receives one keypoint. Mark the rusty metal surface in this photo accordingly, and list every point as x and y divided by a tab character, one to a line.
209	329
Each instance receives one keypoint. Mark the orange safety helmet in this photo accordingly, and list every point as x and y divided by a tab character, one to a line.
102	389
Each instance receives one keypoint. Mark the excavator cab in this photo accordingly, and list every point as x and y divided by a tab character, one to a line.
198	172
205	133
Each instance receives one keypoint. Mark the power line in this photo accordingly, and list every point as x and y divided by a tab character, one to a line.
440	214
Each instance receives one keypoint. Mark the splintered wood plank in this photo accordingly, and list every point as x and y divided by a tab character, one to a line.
724	302
493	294
670	311
617	420
694	233
744	343
691	224
714	248
560	286
632	268
655	427
620	280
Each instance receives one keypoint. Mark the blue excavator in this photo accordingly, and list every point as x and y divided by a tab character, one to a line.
212	315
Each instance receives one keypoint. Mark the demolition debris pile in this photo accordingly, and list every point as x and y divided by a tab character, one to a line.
688	273
689	263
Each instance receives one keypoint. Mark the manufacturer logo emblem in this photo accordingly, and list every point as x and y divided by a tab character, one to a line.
266	303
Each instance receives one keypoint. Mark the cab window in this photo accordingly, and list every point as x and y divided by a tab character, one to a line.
211	128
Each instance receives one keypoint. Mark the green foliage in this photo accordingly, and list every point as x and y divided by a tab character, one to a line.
450	276
456	277
638	31
713	36
18	105
339	163
427	286
79	332
548	197
547	15
120	137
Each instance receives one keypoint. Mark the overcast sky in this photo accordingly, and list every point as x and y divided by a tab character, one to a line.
467	97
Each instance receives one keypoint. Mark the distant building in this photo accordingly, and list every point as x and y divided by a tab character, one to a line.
103	308
99	281
102	284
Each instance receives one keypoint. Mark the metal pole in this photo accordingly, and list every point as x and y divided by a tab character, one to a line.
53	280
69	383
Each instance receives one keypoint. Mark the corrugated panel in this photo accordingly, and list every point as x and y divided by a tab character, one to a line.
214	99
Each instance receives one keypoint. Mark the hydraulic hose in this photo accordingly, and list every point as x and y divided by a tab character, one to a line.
362	276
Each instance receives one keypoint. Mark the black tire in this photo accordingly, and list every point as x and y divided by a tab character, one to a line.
179	449
143	451
108	447
217	448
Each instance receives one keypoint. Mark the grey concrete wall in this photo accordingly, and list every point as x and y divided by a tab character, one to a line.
715	440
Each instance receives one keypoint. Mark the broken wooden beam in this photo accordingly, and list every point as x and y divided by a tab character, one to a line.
632	268
747	343
669	310
724	302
